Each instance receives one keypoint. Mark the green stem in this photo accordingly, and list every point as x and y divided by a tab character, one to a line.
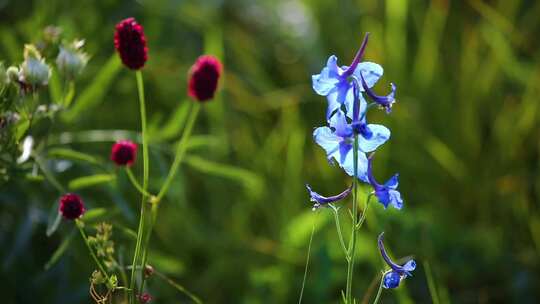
178	287
180	151
80	225
134	182
340	235
352	248
307	260
379	292
363	218
142	220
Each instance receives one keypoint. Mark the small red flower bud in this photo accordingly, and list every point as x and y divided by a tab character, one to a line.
71	206
130	43
124	152
145	298
203	78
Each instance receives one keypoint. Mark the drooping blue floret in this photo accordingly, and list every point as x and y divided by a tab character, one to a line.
393	277
320	200
387	194
384	101
335	83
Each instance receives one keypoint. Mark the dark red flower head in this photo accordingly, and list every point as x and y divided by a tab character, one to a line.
203	78
124	152
145	298
71	206
130	43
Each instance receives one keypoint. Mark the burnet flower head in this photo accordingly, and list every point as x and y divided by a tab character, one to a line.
124	153
130	43
71	206
397	273
203	78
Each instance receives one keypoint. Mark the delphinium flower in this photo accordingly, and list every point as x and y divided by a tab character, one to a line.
334	82
337	140
386	193
397	273
348	134
130	42
71	206
124	153
320	200
203	78
385	102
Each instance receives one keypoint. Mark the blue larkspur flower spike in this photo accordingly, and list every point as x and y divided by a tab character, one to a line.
320	201
334	83
384	101
397	273
387	193
338	141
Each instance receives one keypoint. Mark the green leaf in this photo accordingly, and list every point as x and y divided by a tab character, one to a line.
64	153
60	250
54	219
94	93
94	214
55	89
252	182
89	181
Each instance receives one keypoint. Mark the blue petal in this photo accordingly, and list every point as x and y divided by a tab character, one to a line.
393	182
344	149
324	82
320	200
348	165
339	122
371	72
325	138
349	105
395	199
378	135
383	196
409	266
391	279
342	93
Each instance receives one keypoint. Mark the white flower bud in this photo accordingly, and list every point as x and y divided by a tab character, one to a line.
71	61
34	71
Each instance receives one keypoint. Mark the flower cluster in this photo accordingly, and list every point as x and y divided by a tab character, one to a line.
130	43
349	91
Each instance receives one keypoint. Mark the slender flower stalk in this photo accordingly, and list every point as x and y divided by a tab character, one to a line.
80	226
352	248
143	218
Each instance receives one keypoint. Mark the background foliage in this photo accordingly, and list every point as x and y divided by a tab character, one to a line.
235	227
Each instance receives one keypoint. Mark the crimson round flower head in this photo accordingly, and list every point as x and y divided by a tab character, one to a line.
71	206
145	298
130	43
203	78
124	152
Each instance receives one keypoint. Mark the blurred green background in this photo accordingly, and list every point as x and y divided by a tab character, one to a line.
236	225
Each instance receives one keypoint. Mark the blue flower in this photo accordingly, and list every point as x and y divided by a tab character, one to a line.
320	200
334	81
393	277
387	193
384	101
337	140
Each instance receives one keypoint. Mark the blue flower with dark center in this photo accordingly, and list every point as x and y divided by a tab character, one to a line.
384	101
319	200
337	140
387	193
335	83
397	273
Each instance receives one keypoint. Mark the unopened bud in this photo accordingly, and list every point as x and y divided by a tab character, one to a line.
71	60
34	71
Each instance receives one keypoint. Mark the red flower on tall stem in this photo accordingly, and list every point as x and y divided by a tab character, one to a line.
203	78
124	153
130	42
